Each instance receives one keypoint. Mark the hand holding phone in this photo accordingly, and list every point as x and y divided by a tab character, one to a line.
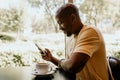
42	51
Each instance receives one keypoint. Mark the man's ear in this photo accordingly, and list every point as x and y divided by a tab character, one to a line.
73	17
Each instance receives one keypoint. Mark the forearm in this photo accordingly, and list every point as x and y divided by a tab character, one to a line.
58	62
64	64
75	63
55	61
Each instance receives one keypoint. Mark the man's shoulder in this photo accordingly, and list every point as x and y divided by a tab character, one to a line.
89	32
87	28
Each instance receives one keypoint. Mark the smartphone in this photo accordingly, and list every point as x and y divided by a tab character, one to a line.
42	51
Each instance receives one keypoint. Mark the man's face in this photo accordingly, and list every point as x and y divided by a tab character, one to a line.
65	26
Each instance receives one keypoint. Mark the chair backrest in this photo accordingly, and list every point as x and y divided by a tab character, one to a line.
115	67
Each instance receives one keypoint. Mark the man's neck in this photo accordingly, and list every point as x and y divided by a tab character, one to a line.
80	27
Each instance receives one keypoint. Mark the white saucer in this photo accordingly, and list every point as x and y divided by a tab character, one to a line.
37	72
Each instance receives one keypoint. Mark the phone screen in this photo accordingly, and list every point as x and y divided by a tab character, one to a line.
41	50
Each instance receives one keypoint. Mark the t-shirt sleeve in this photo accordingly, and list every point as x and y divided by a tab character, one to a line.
87	42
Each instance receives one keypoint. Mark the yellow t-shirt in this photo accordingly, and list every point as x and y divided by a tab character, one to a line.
90	41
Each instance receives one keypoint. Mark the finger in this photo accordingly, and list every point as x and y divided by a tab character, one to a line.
47	50
43	54
45	58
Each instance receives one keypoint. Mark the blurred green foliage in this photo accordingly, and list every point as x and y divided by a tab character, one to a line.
5	37
17	59
11	20
117	54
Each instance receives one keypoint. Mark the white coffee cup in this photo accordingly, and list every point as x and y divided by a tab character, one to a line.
43	68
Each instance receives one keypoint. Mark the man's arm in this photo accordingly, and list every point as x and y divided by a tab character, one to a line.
74	64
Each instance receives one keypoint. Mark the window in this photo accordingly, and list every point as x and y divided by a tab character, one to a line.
23	23
104	14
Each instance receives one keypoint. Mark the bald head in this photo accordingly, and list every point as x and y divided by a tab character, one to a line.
66	10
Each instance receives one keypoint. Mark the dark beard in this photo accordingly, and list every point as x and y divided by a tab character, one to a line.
68	34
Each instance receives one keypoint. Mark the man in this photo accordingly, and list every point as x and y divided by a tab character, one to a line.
86	56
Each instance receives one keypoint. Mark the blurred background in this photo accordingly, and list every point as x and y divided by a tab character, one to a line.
25	22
